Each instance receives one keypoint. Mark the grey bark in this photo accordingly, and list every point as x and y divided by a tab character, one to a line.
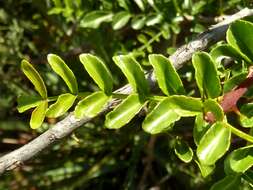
65	127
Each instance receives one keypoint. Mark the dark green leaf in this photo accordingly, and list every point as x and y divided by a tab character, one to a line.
95	18
34	77
28	102
240	37
124	112
38	115
61	106
120	19
134	73
214	143
183	151
239	161
234	81
166	75
98	71
206	75
231	182
91	105
60	67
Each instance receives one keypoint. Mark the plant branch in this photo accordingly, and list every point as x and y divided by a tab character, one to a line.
70	123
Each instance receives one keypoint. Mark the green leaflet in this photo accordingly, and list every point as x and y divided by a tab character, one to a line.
91	105
247	109
38	115
170	110
28	102
61	106
206	75
154	19
231	182
240	37
234	81
239	161
214	143
212	106
134	74
223	51
95	18
138	22
183	151
120	20
98	71
124	112
60	67
166	75
34	77
245	121
205	170
140	4
200	128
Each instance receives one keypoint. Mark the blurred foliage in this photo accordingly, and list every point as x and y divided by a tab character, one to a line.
94	157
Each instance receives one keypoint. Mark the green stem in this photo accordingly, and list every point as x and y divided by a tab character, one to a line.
149	42
241	134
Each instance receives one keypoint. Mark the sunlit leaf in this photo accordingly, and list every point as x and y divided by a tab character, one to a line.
28	102
38	115
124	112
183	151
214	143
239	161
138	22
94	19
205	170
60	67
91	105
166	75
206	75
98	71
61	106
134	73
200	128
154	19
120	19
34	77
170	110
240	37
212	106
234	81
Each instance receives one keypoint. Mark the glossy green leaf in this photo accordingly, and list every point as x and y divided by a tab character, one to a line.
239	161
60	67
214	143
134	73
206	75
91	105
154	19
38	115
170	110
95	18
28	102
200	128
212	106
98	71
166	75
138	22
34	77
245	121
247	109
124	112
234	81
61	106
205	170
224	51
120	19
140	4
240	37
231	182
183	151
